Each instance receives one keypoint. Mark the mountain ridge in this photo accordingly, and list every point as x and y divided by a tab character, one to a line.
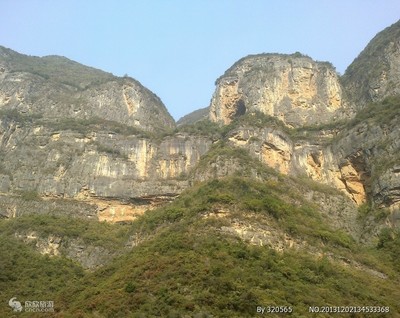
292	89
286	196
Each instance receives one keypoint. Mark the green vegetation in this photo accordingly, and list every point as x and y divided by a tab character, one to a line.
186	265
16	116
204	127
30	195
209	274
257	119
369	64
27	275
96	124
268	200
309	183
49	68
389	243
378	113
366	210
85	126
80	125
90	231
254	119
109	149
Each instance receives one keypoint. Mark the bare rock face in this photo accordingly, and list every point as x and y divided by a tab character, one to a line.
359	158
275	149
361	161
54	87
375	73
96	164
87	135
292	88
71	131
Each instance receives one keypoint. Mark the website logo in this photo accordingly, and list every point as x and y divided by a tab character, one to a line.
31	305
15	304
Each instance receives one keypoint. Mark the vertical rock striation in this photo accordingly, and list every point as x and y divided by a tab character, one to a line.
292	88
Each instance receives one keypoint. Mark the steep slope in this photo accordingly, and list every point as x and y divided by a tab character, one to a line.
55	87
71	131
286	198
194	117
292	88
221	249
290	113
375	73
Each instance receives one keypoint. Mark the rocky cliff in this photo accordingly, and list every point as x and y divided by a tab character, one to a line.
54	87
88	135
94	161
70	131
292	88
375	73
361	160
296	178
300	118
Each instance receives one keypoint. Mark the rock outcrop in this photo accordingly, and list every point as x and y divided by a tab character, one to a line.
96	164
327	131
87	135
292	88
275	148
375	73
54	87
89	257
71	131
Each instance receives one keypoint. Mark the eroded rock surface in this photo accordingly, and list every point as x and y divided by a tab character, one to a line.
292	88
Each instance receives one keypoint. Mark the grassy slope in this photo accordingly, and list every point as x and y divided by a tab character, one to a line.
190	267
27	275
48	67
186	265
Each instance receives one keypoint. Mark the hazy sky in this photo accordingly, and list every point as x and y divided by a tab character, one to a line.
178	48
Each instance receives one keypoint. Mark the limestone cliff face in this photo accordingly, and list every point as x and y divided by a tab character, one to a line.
55	87
375	73
96	164
292	88
372	150
302	158
71	131
87	135
362	161
360	157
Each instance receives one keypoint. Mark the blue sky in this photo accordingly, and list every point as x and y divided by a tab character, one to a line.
178	48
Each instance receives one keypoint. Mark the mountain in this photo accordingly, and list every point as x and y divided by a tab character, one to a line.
292	114
55	87
375	73
283	194
292	88
70	131
194	117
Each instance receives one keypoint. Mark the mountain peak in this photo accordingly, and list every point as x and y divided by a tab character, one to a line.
57	87
375	73
293	88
